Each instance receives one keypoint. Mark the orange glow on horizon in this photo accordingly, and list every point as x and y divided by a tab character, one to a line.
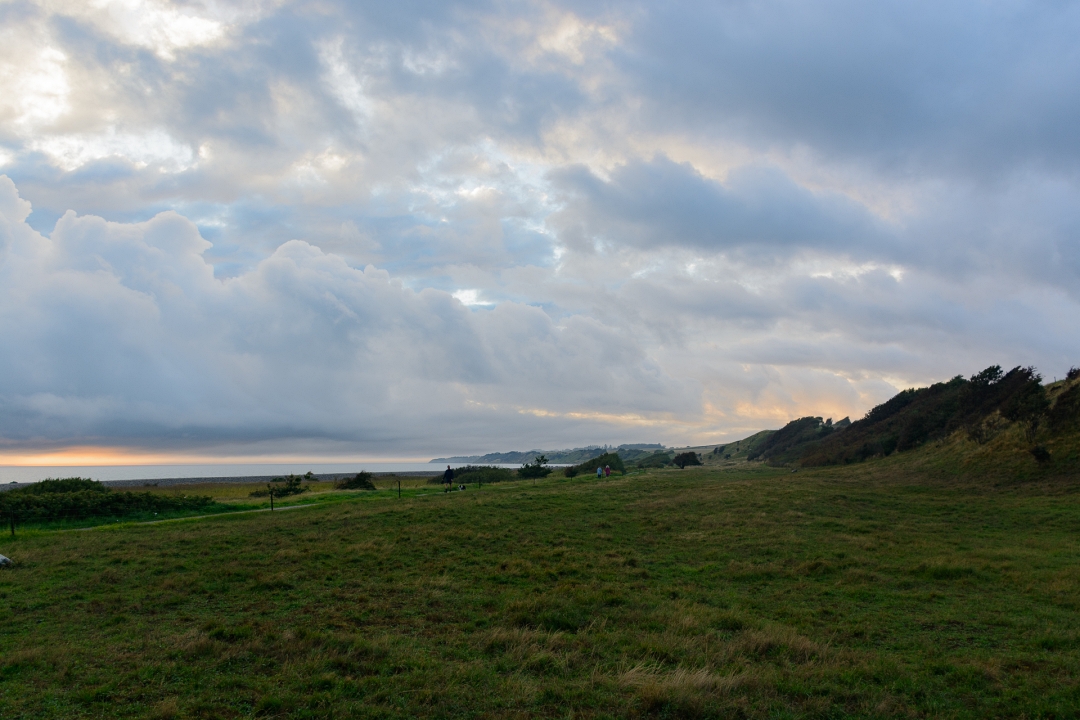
93	456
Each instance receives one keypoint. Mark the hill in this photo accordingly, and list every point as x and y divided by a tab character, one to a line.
992	412
728	454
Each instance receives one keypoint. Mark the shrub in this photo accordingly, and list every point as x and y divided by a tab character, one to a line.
686	458
482	474
1028	405
1041	454
89	499
290	485
1073	373
570	472
535	469
1065	415
64	485
361	481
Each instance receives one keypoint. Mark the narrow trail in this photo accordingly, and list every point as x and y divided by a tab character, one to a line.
193	517
240	512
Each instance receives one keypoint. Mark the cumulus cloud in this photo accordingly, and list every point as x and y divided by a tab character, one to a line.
122	331
464	226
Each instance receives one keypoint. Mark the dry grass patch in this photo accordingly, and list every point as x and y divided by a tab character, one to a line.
688	693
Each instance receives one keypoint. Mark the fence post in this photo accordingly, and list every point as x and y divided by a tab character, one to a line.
271	497
399	488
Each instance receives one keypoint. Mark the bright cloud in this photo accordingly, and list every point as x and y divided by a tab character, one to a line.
35	91
155	25
462	226
153	148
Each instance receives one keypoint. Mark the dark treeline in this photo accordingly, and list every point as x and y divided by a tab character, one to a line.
482	474
981	406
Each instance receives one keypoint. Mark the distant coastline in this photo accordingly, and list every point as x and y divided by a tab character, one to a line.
555	457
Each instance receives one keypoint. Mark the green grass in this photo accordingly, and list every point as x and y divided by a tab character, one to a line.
231	498
867	591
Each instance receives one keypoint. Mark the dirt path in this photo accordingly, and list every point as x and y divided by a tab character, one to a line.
196	517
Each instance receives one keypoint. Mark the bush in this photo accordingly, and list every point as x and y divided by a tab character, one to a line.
290	485
686	458
58	485
1065	415
1073	373
535	469
610	459
56	501
1028	405
570	472
362	481
481	474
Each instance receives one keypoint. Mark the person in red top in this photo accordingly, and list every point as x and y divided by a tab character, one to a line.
607	470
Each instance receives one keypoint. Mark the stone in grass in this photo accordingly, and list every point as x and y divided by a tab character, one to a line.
5	561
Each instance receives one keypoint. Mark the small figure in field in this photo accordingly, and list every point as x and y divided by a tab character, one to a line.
607	470
599	473
448	478
460	487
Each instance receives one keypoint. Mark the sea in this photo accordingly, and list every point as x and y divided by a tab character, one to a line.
25	474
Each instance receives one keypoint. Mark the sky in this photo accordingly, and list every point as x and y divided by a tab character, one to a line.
332	229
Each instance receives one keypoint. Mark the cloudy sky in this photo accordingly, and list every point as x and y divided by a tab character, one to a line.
394	230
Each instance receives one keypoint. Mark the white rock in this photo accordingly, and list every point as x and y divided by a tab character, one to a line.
5	561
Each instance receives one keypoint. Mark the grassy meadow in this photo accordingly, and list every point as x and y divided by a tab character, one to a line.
876	590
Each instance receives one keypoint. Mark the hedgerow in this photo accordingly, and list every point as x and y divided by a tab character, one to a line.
77	498
477	474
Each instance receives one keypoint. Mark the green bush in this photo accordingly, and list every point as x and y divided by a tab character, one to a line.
290	485
77	498
535	469
686	458
64	485
482	474
611	459
362	481
1065	414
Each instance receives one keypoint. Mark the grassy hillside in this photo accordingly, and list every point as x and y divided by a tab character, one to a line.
1000	415
908	586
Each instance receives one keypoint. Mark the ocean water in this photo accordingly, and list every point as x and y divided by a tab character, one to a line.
22	474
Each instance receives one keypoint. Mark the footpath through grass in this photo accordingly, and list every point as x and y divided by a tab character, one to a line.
856	592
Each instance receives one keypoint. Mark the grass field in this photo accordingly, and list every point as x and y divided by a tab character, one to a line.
867	591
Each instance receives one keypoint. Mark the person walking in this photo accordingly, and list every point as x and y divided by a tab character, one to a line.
599	473
448	478
607	471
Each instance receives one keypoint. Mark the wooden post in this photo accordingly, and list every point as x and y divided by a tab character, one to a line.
399	488
271	498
